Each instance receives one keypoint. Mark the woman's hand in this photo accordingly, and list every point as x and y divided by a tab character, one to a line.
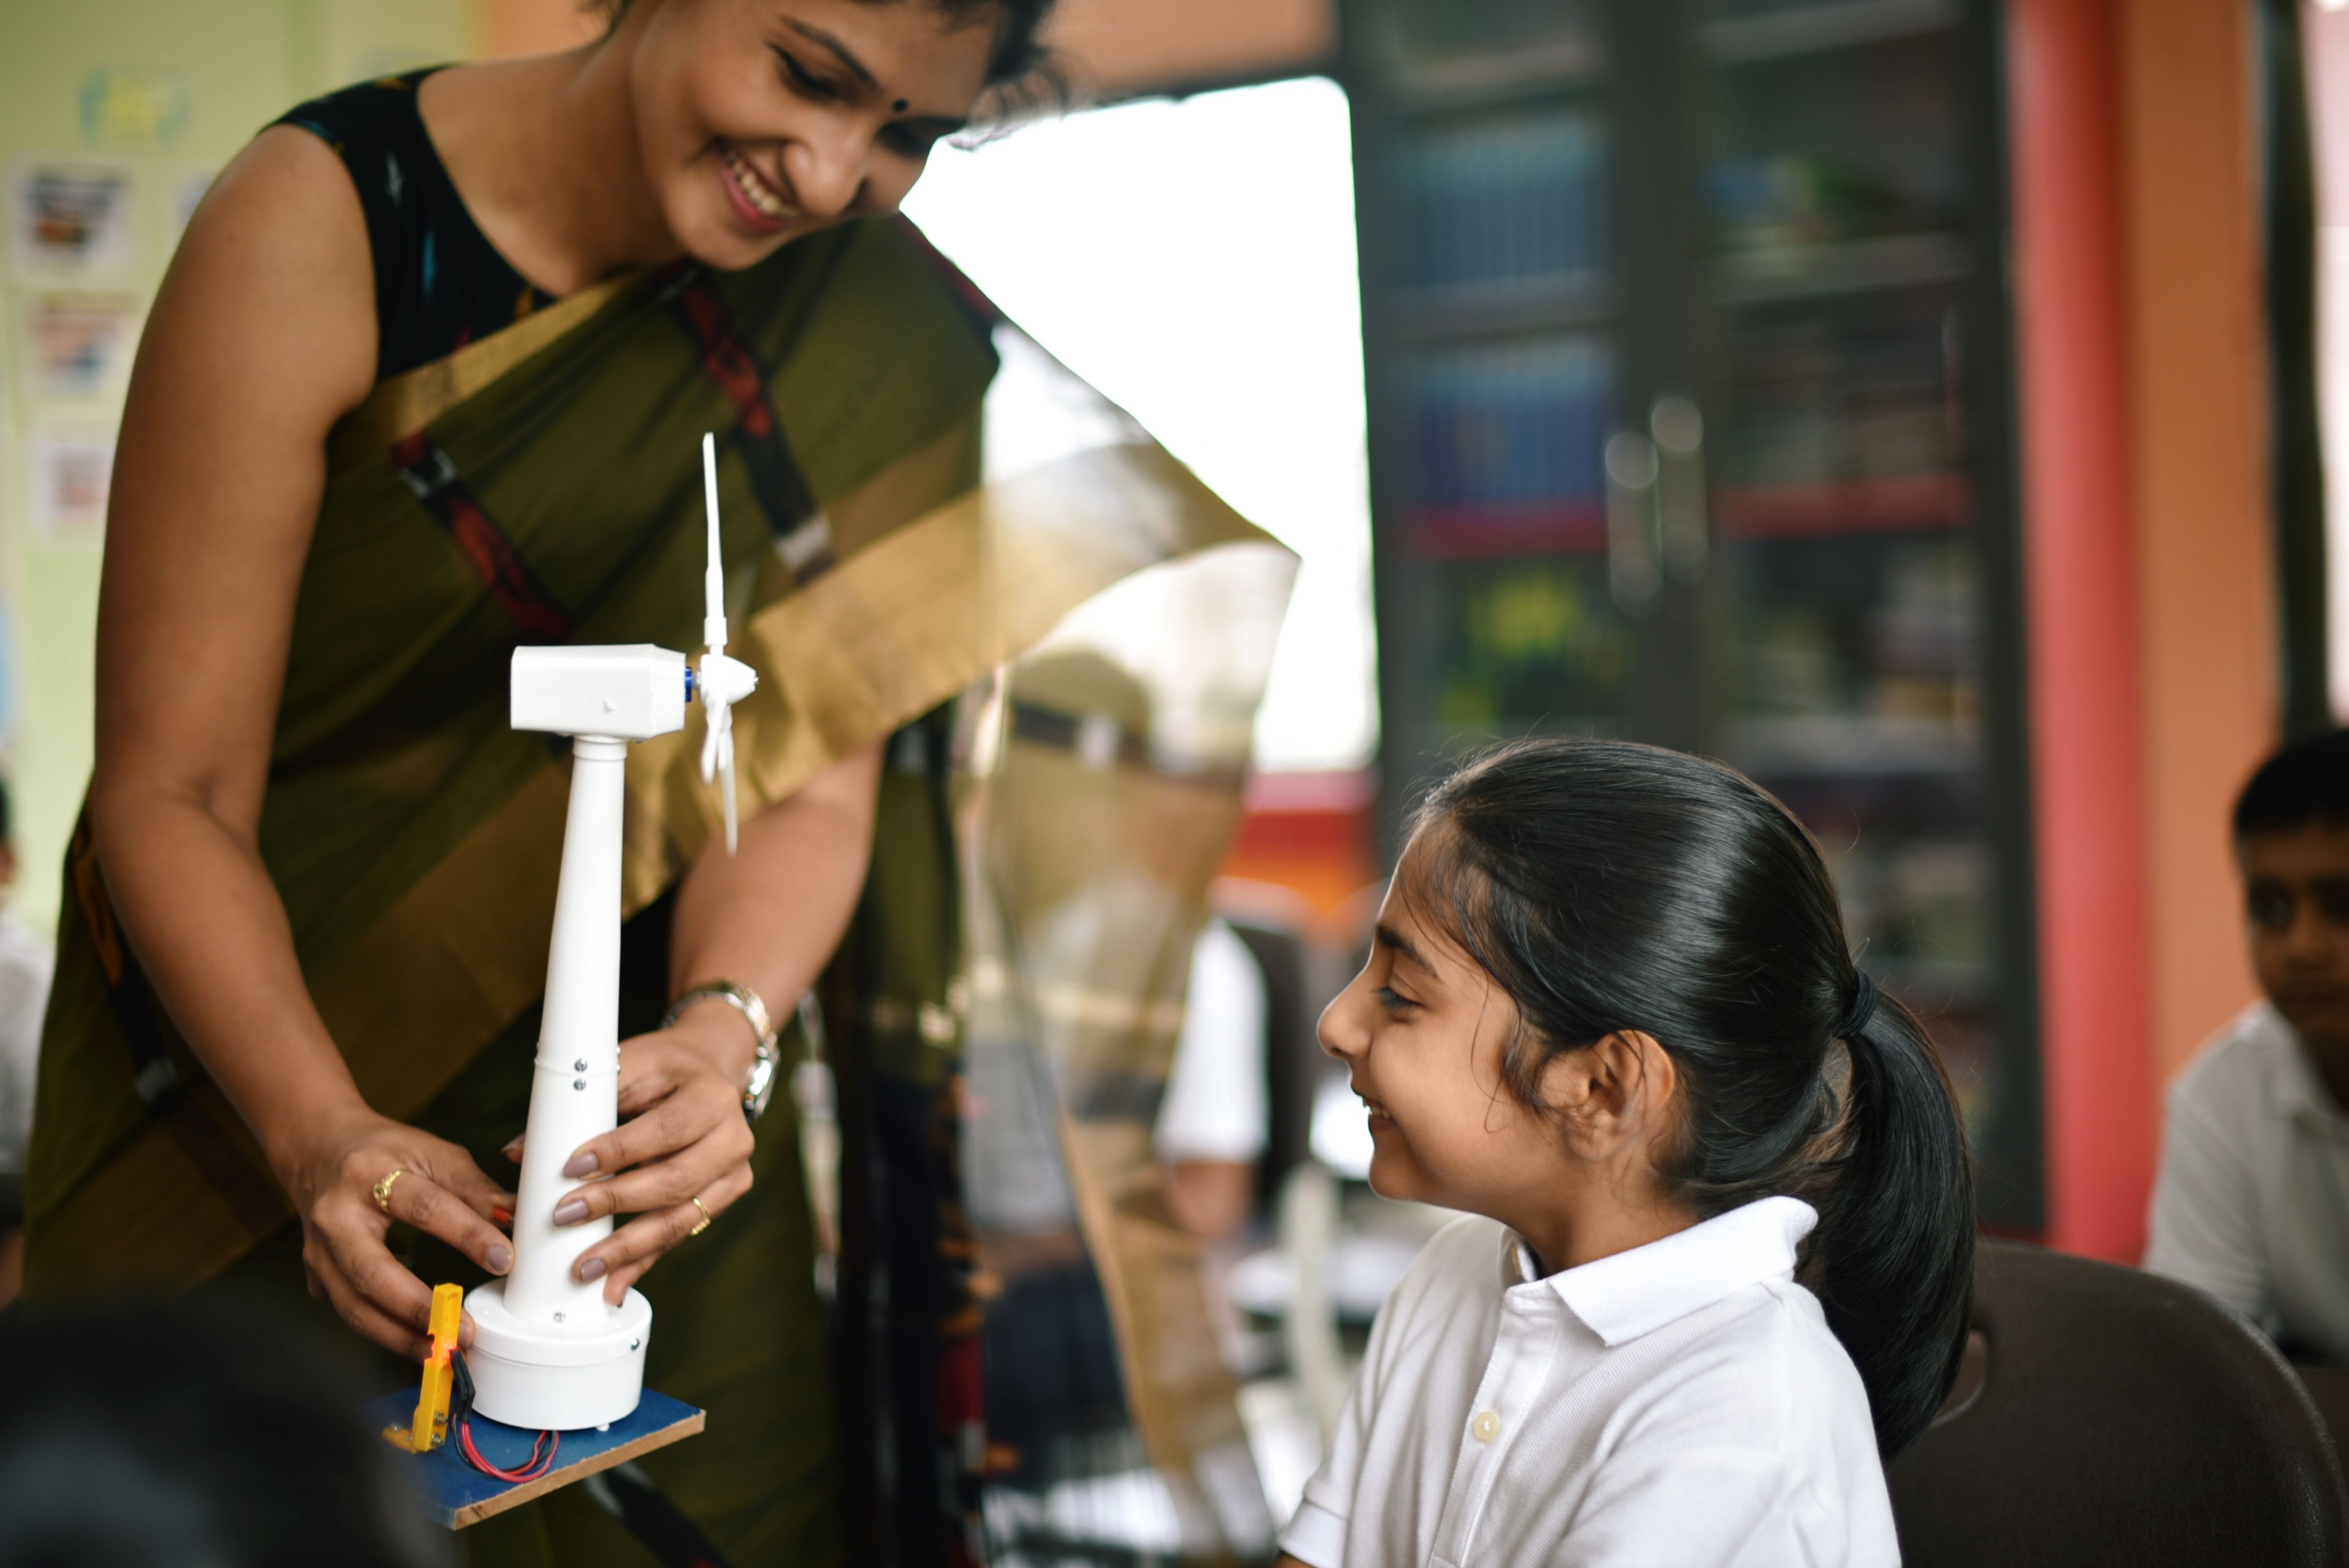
683	1136
332	1179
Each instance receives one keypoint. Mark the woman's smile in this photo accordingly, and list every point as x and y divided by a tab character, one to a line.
756	201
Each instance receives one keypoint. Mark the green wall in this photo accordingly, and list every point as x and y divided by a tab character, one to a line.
241	63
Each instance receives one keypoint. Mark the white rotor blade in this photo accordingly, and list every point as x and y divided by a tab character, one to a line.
725	787
713	580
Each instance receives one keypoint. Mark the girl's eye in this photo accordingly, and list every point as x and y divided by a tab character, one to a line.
1394	1000
805	80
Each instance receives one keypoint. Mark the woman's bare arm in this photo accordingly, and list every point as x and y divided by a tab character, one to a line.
262	336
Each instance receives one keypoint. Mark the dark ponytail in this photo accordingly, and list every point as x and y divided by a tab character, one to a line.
1608	886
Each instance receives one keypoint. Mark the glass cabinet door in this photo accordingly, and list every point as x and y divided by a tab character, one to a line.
1686	338
1488	183
1846	606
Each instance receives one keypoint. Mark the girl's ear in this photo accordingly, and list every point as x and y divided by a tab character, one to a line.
1615	1092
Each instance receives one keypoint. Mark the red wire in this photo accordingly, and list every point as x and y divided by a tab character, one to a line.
537	1465
543	1448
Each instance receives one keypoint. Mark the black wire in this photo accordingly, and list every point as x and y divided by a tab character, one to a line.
460	1422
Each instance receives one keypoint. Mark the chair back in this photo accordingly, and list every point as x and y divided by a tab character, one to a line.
2119	1417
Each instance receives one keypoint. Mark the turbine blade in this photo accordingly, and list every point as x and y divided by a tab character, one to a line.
726	789
713	580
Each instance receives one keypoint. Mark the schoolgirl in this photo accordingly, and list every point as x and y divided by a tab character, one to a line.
1717	1261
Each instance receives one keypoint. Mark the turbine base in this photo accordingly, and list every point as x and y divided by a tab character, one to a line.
560	1377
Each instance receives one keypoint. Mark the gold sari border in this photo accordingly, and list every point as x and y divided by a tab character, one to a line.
408	403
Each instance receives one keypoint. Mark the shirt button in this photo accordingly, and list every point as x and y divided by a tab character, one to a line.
1486	1427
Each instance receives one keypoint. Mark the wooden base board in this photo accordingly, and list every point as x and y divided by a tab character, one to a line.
455	1495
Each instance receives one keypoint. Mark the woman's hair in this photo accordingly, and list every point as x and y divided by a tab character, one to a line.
1020	53
1609	886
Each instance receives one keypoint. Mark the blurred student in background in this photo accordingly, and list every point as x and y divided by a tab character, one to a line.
25	963
212	1433
2253	1202
1211	1124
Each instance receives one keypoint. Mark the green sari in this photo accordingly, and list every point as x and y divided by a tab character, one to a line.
539	486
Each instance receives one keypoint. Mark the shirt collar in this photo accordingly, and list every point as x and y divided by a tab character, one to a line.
2296	1092
1635	1293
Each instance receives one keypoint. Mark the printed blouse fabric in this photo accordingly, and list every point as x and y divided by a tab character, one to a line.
439	282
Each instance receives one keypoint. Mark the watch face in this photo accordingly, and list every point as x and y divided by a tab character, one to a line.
762	1086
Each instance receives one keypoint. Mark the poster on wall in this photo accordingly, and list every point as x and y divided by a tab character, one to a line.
69	473
72	220
78	346
132	108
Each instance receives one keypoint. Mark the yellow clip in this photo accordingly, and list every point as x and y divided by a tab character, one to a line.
431	1427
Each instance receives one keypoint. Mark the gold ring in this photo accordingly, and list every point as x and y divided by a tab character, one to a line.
697	1230
383	1190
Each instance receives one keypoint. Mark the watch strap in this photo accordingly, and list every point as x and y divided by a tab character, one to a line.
760	1087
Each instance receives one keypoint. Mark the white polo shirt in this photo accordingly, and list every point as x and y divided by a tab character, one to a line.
1681	1404
2252	1202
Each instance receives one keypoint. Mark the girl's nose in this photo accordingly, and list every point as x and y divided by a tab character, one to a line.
1342	1031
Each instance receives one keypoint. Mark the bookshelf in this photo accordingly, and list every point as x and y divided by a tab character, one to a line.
1688	351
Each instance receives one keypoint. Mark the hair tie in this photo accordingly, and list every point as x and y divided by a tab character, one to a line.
1862	1009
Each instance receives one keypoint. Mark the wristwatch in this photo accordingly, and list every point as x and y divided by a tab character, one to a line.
761	1086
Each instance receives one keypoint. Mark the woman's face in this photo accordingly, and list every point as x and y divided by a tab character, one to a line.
761	121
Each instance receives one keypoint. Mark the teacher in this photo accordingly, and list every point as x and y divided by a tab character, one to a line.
424	383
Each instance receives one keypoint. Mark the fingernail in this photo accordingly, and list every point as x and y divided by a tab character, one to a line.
571	1210
498	1258
580	1164
591	1270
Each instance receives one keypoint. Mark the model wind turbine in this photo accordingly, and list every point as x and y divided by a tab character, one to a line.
549	1352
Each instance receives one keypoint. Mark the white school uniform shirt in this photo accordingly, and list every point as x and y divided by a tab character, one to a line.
1213	1108
1682	1404
2253	1202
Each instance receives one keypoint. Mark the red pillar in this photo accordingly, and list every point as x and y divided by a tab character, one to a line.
2087	747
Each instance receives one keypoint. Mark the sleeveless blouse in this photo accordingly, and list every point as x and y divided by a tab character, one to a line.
439	282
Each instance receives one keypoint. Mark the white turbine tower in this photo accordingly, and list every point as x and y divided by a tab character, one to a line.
549	1352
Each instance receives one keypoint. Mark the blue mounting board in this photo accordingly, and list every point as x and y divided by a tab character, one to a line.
455	1494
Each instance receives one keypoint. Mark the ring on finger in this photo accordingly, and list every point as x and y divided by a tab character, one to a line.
706	1217
382	1189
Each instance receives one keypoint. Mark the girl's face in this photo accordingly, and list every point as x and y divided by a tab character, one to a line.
1423	1032
761	121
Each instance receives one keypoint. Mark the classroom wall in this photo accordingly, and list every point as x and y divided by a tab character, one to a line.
233	65
2148	558
2207	637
